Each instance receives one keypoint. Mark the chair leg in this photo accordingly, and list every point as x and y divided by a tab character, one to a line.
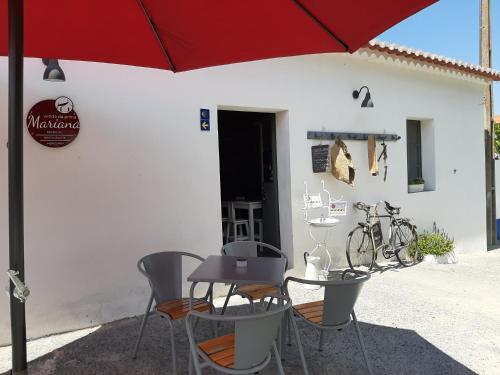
320	347
193	355
361	343
278	359
247	229
228	231
289	333
190	363
269	303
172	344
252	305
143	325
229	294
299	342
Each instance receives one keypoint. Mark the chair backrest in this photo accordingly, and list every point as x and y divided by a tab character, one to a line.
339	301
255	335
340	296
250	249
164	273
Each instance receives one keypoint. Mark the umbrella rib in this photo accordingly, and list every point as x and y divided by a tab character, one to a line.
158	39
321	24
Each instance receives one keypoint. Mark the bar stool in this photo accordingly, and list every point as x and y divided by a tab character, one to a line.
240	228
259	236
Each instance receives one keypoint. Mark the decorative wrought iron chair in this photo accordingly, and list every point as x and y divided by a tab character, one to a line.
164	273
334	312
248	349
252	292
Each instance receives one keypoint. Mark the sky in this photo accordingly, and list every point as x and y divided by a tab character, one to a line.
450	28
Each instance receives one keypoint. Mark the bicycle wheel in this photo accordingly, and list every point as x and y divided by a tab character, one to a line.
405	244
359	249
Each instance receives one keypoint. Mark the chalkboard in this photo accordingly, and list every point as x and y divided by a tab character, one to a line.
319	158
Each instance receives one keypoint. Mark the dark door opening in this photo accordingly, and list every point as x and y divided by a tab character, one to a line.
247	152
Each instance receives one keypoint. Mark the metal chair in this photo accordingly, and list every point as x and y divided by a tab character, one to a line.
164	273
252	292
334	312
247	350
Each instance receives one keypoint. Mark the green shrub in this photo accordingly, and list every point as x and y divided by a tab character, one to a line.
437	242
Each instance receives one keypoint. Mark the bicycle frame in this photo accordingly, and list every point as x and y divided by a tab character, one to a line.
373	239
372	219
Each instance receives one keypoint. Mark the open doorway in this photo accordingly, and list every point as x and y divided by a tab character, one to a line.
248	176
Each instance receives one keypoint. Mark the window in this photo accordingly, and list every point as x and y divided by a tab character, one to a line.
420	152
414	149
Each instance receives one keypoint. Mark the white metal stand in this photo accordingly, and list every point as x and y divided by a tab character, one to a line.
323	225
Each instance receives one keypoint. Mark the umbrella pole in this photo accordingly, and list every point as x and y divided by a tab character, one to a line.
15	152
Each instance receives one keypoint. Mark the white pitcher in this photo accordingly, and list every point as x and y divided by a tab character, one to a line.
312	265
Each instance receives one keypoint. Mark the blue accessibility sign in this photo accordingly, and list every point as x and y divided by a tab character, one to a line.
204	119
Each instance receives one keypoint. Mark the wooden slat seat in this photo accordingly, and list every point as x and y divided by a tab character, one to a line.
256	291
178	309
311	311
220	350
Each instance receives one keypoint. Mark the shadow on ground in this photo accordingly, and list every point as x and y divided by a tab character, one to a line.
107	351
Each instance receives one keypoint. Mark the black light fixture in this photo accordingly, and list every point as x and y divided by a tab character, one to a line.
53	72
367	101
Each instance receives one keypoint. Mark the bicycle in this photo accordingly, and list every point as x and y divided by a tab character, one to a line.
366	240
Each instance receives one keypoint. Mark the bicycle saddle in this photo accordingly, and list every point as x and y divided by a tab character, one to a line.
392	209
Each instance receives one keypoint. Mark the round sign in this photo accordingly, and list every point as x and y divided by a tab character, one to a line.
53	123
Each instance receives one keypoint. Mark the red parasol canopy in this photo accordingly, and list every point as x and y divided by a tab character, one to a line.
183	35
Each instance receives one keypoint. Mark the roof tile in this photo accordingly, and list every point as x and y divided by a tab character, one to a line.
430	58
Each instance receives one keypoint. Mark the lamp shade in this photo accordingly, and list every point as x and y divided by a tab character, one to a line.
367	101
53	72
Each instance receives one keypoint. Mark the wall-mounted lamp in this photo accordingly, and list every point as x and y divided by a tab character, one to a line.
53	72
367	101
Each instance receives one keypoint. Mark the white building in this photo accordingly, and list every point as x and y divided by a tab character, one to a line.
142	177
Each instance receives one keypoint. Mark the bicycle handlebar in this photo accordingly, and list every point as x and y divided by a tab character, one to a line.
367	208
363	206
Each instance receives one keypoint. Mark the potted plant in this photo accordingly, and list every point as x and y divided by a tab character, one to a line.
436	246
416	185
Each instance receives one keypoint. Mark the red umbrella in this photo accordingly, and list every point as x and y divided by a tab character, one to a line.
183	35
166	34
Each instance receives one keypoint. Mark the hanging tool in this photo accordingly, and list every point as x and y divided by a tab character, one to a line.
384	154
372	155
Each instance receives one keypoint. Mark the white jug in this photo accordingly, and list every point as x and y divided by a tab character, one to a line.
312	264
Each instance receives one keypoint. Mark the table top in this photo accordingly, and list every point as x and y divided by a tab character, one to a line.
222	269
247	204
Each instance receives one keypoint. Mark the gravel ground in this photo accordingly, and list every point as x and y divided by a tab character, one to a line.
428	319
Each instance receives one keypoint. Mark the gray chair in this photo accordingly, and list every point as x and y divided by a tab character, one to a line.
252	292
334	312
164	273
247	350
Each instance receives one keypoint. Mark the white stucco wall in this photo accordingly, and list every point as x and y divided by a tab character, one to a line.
141	177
